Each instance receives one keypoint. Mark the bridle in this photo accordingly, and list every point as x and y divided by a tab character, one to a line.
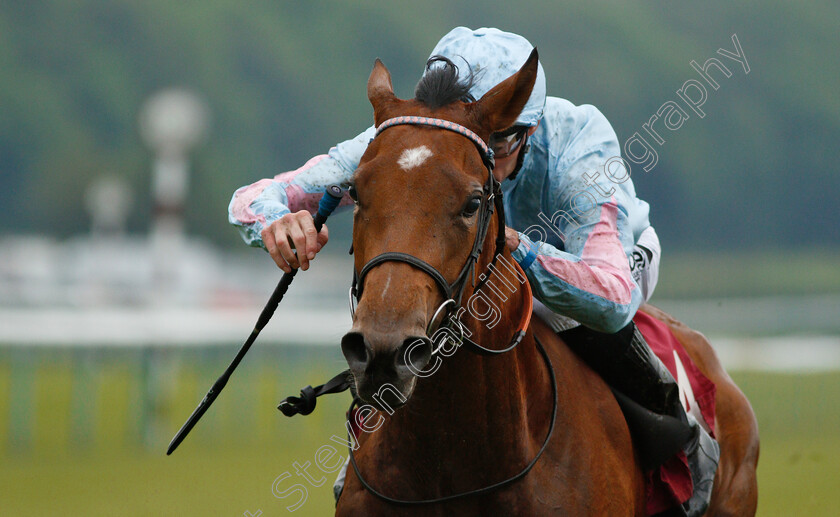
491	202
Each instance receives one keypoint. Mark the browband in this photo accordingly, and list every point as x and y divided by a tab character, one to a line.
486	152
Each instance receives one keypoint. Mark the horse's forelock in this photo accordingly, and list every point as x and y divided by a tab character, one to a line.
441	85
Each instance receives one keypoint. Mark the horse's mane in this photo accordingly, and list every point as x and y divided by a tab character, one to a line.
440	85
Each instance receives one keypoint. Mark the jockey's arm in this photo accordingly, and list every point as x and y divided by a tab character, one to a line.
589	279
283	205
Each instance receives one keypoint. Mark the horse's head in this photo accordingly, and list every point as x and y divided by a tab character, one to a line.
421	192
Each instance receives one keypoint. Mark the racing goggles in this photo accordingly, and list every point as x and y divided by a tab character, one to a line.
505	143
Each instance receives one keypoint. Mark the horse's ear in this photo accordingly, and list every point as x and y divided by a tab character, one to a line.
380	91
499	108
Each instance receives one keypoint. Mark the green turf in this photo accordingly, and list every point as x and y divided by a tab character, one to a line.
799	426
199	480
95	450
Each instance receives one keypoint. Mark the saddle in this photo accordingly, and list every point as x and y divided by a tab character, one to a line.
650	399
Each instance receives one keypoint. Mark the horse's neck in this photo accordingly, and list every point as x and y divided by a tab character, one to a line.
474	402
479	400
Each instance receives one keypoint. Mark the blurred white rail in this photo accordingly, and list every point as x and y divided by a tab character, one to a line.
765	315
796	353
324	326
169	326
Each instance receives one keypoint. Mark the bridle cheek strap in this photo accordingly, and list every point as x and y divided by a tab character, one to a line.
452	296
492	202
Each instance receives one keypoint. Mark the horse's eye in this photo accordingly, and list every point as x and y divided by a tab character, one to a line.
353	194
472	207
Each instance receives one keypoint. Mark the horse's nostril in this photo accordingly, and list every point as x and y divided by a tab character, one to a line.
355	349
414	353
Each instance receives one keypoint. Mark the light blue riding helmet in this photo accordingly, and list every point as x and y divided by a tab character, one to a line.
493	56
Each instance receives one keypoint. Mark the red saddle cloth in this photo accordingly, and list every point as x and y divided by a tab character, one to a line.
671	483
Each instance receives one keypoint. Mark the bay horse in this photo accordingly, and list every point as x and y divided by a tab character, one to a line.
532	431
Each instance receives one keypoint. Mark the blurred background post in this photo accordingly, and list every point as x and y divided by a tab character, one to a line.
172	122
125	127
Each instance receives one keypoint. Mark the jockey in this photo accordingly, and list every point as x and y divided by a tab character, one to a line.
574	224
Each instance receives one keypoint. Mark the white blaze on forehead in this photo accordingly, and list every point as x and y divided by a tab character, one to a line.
411	158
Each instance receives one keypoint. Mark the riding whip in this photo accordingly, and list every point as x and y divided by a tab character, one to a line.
328	203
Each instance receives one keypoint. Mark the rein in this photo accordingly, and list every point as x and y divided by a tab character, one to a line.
453	292
478	491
